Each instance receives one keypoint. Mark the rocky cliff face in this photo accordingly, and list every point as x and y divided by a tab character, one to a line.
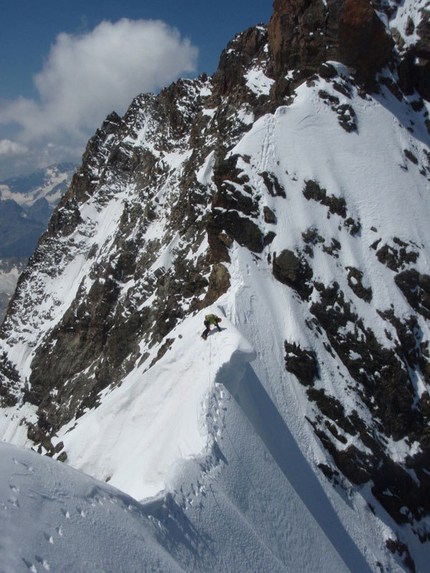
143	239
304	35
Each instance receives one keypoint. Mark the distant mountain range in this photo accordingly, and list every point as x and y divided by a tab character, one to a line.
26	205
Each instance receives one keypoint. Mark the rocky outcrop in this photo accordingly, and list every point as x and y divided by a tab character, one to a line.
293	271
181	198
236	59
414	68
304	34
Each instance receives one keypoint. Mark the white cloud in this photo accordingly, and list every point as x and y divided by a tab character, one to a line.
87	76
8	147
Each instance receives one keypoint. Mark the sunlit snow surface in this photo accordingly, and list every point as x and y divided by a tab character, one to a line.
155	417
216	431
56	519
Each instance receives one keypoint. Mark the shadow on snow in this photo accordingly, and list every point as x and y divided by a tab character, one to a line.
273	431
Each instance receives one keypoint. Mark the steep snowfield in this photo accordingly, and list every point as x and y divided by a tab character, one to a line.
156	416
216	430
249	503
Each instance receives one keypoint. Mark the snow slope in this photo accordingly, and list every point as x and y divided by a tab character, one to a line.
214	439
57	519
249	502
156	416
229	509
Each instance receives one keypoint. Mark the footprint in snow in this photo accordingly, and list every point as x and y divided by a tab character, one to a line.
49	538
29	565
13	501
42	561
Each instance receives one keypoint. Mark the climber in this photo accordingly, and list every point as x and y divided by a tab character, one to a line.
210	319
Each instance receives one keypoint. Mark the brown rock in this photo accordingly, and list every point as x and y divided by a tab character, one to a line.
303	34
363	41
237	57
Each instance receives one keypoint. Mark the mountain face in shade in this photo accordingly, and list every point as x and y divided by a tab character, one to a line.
289	195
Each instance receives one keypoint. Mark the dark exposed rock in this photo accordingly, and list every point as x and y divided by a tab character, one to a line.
219	283
411	156
228	197
62	457
241	229
397	255
292	271
312	238
273	186
237	57
162	351
414	66
304	34
9	376
355	278
397	546
302	363
269	215
268	238
353	226
225	169
333	249
327	71
416	288
346	115
219	242
336	205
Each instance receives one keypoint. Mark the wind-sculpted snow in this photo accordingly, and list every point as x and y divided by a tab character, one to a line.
157	415
57	519
297	438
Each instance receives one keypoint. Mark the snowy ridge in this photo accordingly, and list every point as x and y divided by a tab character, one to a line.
57	519
297	438
163	406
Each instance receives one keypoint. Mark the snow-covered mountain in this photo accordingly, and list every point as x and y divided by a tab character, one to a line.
48	184
26	205
288	194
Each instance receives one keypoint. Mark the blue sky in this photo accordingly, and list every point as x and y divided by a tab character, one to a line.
65	64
